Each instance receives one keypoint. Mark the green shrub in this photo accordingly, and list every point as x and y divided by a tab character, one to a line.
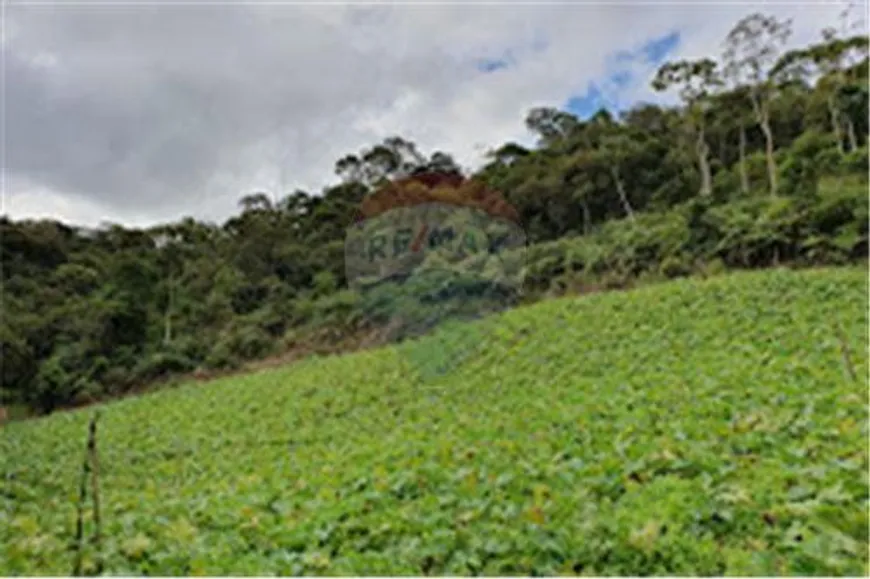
117	380
726	184
713	268
221	358
810	156
238	343
673	267
615	280
856	162
756	170
161	365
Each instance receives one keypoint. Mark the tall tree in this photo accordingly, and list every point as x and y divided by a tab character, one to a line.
733	118
256	202
830	63
550	124
849	76
440	162
752	50
695	81
614	149
393	158
167	241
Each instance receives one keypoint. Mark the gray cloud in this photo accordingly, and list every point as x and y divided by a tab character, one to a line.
146	113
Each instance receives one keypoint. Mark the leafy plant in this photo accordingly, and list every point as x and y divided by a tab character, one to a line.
698	427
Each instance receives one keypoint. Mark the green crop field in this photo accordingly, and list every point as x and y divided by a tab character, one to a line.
694	427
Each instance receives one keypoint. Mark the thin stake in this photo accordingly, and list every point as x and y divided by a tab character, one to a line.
90	455
95	488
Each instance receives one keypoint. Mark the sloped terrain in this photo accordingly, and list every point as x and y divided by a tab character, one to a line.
695	427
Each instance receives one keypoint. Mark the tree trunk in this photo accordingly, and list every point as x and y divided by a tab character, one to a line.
167	315
744	176
771	161
850	131
835	123
586	217
614	172
762	115
703	151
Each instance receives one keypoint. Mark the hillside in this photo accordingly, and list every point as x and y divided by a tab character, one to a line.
762	162
693	427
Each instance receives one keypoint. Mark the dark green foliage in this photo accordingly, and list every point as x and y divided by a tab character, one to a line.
828	227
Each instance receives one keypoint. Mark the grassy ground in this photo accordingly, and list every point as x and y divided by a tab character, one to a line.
695	427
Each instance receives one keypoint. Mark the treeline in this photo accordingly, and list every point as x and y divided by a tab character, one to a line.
764	162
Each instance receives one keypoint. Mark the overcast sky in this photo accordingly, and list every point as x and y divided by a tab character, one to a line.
145	113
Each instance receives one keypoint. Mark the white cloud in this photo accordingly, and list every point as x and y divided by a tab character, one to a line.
147	114
23	199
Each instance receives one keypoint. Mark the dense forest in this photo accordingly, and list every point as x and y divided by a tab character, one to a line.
764	162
